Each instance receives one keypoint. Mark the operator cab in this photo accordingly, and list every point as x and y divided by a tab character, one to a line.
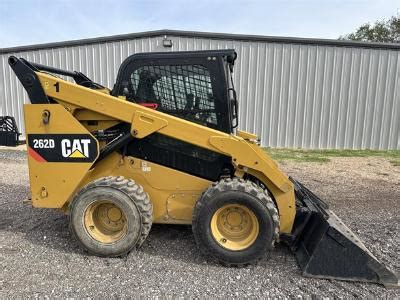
192	85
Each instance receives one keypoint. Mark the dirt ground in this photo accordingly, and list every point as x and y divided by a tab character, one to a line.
39	258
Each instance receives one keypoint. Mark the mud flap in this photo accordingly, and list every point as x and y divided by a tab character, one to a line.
326	248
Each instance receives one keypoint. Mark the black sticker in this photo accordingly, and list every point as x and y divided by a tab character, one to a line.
62	147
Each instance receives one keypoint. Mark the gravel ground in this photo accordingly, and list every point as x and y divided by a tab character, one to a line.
39	258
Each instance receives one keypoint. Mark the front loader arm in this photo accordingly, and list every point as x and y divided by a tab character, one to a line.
145	121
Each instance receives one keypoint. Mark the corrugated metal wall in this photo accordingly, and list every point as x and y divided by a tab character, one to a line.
291	95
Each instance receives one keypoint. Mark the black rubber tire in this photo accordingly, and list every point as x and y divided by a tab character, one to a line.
236	191
129	197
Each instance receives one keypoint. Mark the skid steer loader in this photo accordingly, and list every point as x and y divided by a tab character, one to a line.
162	147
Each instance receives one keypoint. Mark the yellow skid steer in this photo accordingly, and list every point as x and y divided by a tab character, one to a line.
163	147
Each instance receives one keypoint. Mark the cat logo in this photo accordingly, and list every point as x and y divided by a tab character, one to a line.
76	148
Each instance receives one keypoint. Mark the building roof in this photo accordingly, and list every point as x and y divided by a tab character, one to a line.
207	35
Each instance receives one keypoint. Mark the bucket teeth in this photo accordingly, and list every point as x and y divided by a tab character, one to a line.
326	248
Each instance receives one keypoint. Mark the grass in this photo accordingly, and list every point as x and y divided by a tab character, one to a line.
323	156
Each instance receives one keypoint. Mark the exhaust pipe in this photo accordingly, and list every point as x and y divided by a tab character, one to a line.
326	248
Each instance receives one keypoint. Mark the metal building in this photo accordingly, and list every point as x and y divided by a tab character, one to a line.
306	93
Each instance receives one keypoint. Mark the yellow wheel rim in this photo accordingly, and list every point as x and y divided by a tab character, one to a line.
234	227
105	222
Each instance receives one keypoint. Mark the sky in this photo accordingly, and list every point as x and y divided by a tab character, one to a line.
24	22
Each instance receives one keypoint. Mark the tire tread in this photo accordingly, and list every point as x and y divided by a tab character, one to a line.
235	184
134	191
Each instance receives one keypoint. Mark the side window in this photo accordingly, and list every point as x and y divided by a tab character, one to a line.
184	91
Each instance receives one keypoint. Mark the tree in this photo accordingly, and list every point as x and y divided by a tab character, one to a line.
384	31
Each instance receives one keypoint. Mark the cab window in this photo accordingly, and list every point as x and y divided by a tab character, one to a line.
184	91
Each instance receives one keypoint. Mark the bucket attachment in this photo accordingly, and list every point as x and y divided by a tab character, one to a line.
326	248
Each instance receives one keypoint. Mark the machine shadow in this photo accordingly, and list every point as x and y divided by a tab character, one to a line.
50	228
